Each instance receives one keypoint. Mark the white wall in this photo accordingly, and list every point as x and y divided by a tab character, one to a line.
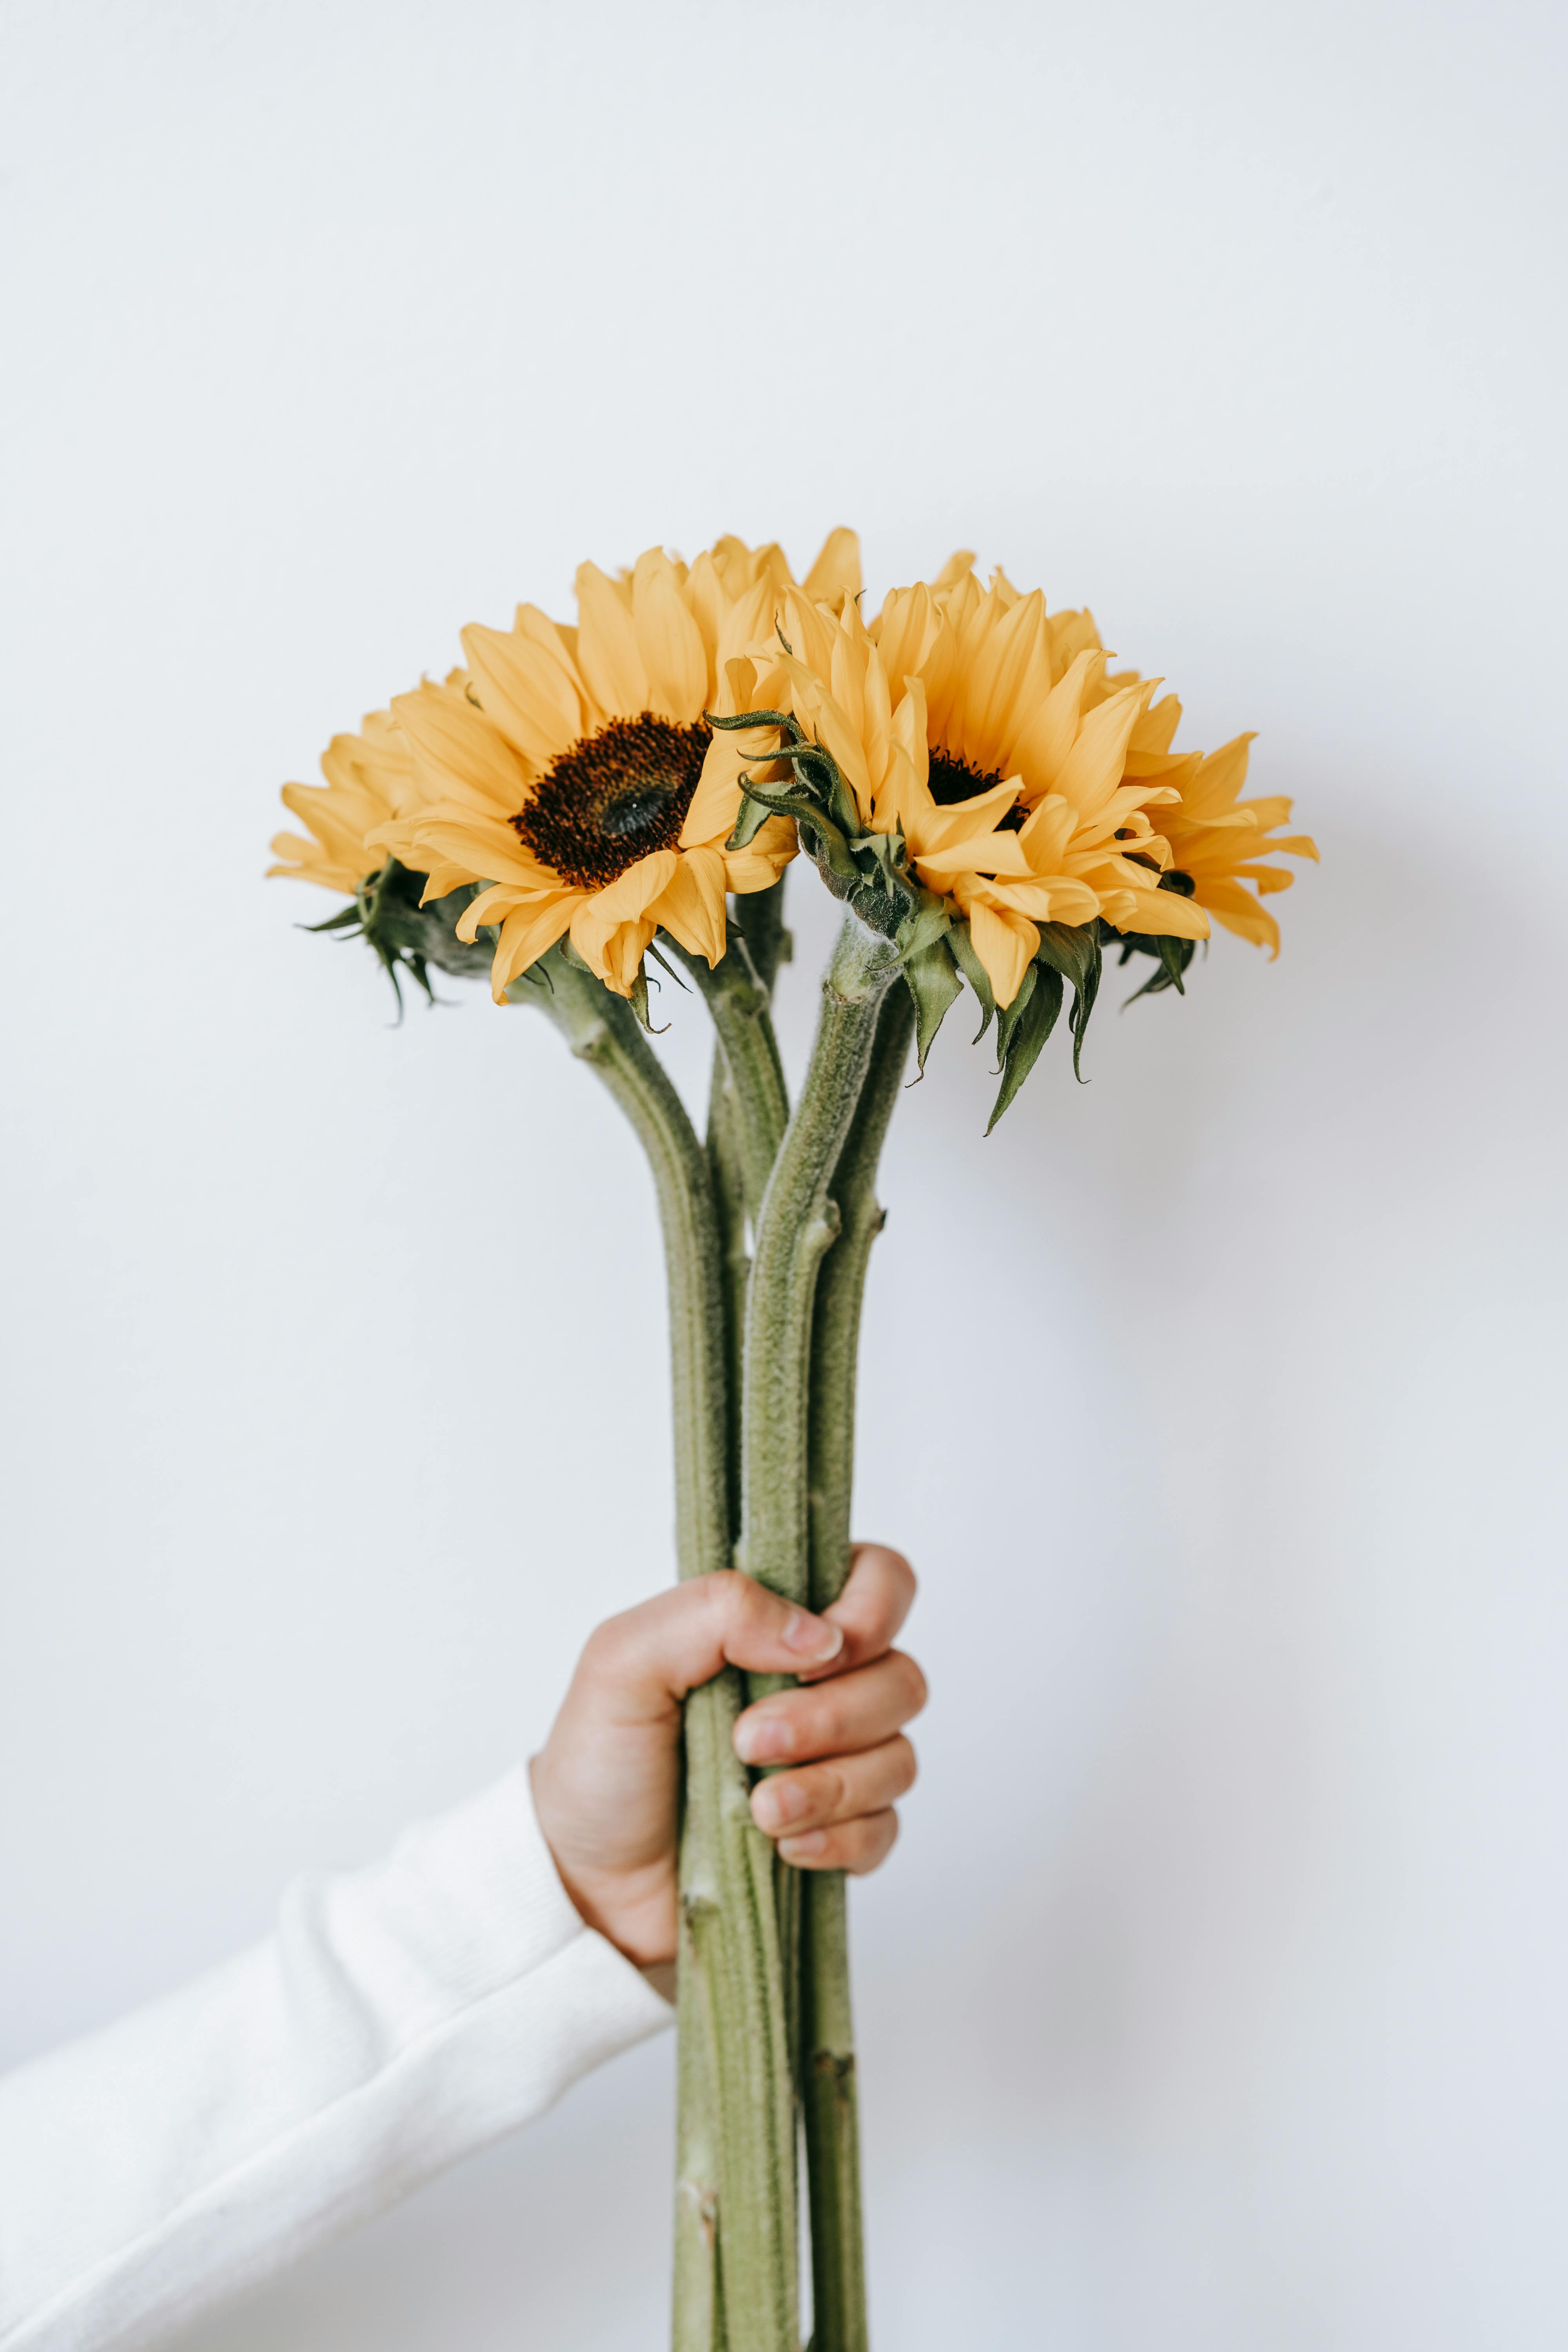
1214	1999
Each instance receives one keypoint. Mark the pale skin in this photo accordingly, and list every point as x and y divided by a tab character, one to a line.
606	1782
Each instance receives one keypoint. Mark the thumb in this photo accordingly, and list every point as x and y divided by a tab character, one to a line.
667	1646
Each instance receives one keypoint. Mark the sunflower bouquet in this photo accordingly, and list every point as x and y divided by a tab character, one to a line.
997	809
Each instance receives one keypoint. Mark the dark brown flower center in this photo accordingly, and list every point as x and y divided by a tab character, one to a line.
612	798
953	780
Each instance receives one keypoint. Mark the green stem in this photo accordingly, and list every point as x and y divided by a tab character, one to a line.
729	1198
828	2091
729	1969
738	1000
798	1223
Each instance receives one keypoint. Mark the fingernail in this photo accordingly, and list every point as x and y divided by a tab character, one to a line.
813	1637
763	1738
774	1802
805	1847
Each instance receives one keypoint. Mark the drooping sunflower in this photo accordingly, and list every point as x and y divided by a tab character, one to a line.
371	779
955	720
1218	842
567	776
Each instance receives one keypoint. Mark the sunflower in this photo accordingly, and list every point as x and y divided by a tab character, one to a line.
371	779
1221	843
1217	841
566	774
957	721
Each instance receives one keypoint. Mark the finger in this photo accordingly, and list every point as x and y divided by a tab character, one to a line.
651	1657
856	1846
837	1717
822	1794
874	1603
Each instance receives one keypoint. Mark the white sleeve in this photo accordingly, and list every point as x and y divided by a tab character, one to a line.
399	2017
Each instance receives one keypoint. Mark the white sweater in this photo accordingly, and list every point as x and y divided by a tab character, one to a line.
399	2017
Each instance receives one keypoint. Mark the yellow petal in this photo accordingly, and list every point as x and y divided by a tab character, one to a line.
961	820
1005	944
1093	769
491	905
763	859
668	641
984	853
836	570
460	752
525	935
1052	899
607	653
1010	679
691	904
613	950
1163	913
957	567
1235	906
633	892
482	853
1218	781
524	692
1049	731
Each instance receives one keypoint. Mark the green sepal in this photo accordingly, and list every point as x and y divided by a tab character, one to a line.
754	718
1172	956
755	815
975	973
1009	1016
1029	1032
640	1003
406	936
934	982
1074	952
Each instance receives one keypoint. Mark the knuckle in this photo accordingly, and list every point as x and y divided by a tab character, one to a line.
604	1644
873	1843
731	1597
913	1686
905	1765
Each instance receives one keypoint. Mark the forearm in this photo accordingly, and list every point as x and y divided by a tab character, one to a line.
400	2017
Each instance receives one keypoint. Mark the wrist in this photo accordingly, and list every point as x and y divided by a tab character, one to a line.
633	1907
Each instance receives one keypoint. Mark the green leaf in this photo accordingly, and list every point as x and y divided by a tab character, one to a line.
934	982
1030	1029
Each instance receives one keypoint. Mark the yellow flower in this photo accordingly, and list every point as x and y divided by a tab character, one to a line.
370	779
569	774
1210	835
964	719
1223	843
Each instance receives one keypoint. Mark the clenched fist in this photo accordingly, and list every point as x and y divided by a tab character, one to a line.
606	1782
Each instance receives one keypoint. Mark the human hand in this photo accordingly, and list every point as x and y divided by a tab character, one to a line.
606	1782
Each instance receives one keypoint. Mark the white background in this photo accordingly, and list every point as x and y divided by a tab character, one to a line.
1214	1999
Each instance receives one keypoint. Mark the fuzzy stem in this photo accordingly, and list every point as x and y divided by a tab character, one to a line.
730	1970
798	1221
737	998
729	1198
602	1030
827	2072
